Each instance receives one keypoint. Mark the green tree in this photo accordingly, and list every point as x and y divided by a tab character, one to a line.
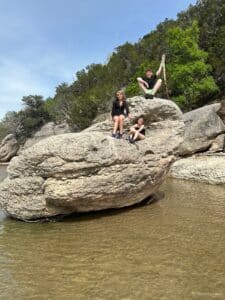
195	60
132	88
210	15
32	117
83	112
189	74
59	107
9	124
3	131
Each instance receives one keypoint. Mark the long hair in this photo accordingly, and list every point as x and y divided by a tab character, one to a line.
120	92
138	118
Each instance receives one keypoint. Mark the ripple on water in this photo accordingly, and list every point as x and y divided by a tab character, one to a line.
172	249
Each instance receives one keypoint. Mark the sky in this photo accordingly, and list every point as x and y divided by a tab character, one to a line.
44	43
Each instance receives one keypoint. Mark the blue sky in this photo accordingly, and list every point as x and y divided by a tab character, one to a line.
45	42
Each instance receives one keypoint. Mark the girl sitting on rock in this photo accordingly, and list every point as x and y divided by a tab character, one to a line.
120	110
137	132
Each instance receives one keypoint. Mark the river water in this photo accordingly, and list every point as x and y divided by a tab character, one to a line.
171	249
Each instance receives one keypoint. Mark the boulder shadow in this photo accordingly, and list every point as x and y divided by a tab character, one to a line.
85	216
82	217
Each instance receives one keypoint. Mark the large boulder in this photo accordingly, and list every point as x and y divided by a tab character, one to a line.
8	148
91	171
154	111
46	131
202	168
202	126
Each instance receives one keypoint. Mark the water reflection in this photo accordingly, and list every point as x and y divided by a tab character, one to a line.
171	249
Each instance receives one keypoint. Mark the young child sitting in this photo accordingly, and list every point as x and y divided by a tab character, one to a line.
137	132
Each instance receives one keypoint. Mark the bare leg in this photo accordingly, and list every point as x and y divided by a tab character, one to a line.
121	122
138	136
132	133
157	86
116	124
142	87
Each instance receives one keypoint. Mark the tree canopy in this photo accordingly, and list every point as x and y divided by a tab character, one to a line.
195	47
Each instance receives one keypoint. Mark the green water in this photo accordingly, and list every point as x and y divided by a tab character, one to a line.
171	249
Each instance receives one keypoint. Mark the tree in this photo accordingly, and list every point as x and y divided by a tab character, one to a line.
210	15
60	106
195	57
32	117
3	131
83	112
133	89
9	124
189	74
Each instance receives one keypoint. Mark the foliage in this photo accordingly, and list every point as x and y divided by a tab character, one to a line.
25	122
195	61
32	117
189	73
133	89
210	15
3	131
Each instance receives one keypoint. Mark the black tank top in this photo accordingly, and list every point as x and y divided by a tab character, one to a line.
142	131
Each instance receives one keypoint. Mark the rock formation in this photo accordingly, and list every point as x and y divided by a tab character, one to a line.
218	144
204	137
90	171
203	168
45	131
8	148
202	127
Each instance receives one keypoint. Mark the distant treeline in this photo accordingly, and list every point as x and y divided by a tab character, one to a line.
194	44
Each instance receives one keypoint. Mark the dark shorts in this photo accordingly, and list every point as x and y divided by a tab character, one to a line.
117	115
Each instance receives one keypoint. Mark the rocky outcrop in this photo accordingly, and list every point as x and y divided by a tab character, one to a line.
90	171
8	148
221	112
45	131
202	126
218	144
102	117
209	169
154	111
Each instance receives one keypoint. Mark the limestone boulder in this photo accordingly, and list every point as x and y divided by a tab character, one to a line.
202	126
203	168
91	171
8	148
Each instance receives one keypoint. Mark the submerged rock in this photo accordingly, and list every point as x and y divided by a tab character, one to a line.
202	126
8	148
90	171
